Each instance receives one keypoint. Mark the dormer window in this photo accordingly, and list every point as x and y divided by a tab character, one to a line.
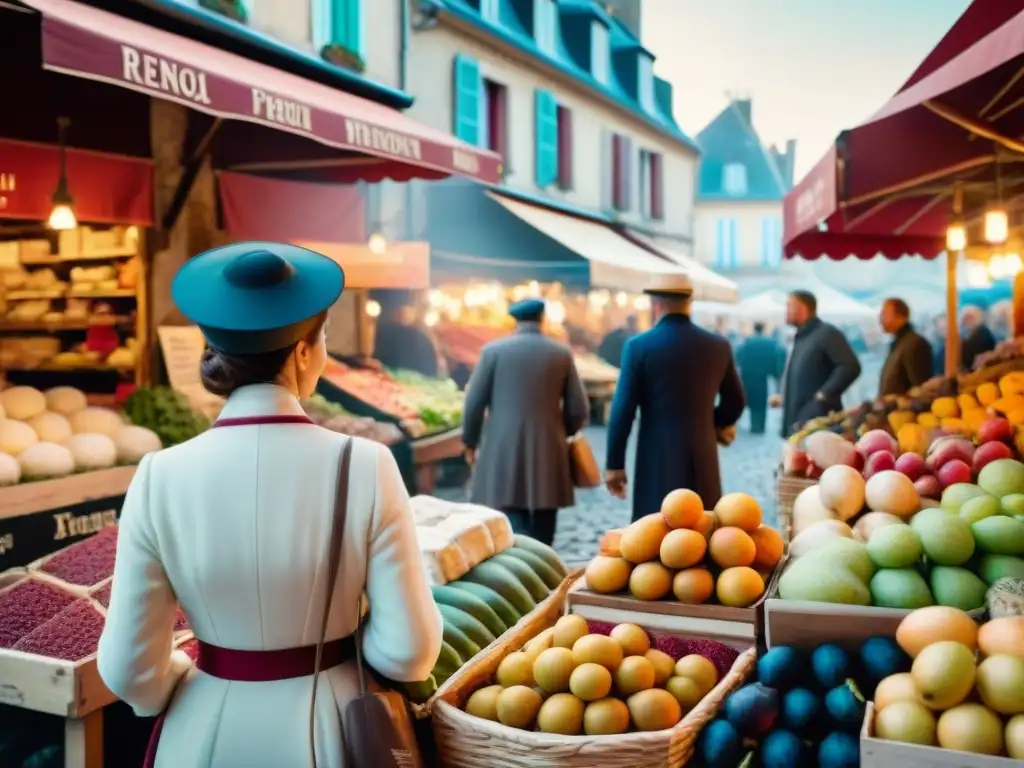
545	26
489	10
600	53
645	73
734	179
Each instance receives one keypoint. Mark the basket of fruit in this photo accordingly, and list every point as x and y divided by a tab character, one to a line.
568	691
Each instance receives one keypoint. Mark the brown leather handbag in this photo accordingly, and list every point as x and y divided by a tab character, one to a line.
377	727
582	464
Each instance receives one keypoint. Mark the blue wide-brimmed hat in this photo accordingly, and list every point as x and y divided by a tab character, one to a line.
254	297
527	310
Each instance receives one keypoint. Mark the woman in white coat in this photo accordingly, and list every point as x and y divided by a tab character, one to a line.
234	526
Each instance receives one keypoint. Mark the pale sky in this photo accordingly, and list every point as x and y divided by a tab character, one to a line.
812	67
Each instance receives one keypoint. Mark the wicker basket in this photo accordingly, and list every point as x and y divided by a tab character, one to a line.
464	741
787	488
551	604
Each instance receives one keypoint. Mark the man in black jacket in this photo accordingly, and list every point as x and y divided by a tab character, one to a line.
909	363
821	366
977	338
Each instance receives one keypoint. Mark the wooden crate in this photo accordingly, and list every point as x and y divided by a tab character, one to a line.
877	753
787	488
37	519
806	624
739	628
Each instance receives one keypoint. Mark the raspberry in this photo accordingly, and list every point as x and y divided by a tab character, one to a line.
72	634
102	595
722	656
191	647
27	605
87	562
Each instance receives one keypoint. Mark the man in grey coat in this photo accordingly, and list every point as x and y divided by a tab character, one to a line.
821	366
909	363
523	401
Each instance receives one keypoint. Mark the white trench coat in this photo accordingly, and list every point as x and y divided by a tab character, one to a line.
234	525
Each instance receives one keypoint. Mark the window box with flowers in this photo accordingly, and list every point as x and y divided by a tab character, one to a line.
337	32
340	56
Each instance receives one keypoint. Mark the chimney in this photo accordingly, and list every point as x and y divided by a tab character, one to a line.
744	107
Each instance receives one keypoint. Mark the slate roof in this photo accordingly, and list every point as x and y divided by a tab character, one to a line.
511	29
731	138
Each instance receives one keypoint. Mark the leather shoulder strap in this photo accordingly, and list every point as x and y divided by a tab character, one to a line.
333	562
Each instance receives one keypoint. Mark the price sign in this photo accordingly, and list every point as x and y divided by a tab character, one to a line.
182	347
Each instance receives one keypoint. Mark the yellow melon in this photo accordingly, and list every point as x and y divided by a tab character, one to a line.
641	541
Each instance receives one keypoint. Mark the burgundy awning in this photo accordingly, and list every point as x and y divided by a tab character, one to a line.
886	186
108	189
258	208
87	42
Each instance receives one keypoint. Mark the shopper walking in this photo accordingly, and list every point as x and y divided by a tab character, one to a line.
673	374
523	402
235	526
909	363
758	359
611	346
820	368
977	337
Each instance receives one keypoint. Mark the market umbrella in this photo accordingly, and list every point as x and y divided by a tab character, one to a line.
886	185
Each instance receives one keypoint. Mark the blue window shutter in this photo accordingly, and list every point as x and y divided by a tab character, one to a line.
720	243
320	21
777	241
466	112
734	250
766	242
346	24
546	138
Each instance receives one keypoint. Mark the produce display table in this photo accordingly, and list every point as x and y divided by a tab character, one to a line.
428	453
48	653
39	518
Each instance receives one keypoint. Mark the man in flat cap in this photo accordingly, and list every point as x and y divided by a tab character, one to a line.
523	401
673	374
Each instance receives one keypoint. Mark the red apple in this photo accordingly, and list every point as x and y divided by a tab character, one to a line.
794	460
912	465
813	471
928	487
875	440
858	461
995	430
879	461
989	452
946	449
955	471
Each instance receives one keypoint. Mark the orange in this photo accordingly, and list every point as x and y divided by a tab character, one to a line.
682	508
740	510
739	587
693	586
707	524
730	547
769	545
682	548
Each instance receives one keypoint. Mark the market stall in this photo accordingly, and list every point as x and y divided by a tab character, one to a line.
934	170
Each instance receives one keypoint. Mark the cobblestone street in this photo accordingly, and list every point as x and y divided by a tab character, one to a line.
747	465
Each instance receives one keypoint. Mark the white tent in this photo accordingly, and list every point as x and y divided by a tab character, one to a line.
836	306
768	305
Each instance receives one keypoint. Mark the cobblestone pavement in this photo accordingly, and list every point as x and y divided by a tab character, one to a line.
747	465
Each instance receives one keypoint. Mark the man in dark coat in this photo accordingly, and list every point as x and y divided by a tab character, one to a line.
821	366
909	363
523	401
758	359
977	337
673	374
611	346
402	342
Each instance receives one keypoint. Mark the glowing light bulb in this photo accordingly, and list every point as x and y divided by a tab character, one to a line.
977	274
62	218
431	318
377	243
956	237
555	312
997	226
373	308
621	299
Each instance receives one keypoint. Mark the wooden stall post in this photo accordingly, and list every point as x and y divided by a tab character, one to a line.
1017	315
83	741
952	317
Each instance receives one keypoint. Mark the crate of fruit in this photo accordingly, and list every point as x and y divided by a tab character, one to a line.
563	692
687	570
51	617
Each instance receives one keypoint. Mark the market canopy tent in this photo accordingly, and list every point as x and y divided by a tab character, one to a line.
886	186
615	261
833	305
90	43
708	286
